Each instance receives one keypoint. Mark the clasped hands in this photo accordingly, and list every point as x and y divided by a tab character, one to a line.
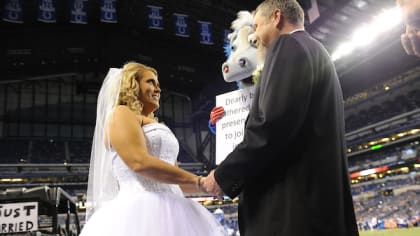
411	41
209	185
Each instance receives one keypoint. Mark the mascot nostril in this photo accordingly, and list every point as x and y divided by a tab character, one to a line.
242	62
226	69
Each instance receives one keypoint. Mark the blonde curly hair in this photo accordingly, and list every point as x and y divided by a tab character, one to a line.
131	75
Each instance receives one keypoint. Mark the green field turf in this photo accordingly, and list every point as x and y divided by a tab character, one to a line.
392	232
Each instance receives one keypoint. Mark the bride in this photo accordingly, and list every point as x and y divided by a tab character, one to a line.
134	186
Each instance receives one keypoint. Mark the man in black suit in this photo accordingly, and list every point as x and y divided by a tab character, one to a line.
291	168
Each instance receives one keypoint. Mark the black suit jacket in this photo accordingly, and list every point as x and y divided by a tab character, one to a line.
291	168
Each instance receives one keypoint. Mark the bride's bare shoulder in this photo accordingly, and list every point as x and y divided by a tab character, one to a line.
122	114
122	110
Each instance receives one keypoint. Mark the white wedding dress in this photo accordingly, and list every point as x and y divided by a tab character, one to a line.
146	207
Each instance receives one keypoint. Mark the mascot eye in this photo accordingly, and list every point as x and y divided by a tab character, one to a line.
242	62
253	44
233	48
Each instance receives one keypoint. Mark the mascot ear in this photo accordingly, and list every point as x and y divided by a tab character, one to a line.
228	50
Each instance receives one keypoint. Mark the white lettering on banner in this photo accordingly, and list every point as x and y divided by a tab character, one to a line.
181	24
78	11
47	9
18	217
205	32
155	16
14	10
108	10
230	129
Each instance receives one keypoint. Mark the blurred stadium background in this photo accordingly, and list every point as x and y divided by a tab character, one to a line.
51	73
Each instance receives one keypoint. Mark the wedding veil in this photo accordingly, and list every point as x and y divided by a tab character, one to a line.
102	184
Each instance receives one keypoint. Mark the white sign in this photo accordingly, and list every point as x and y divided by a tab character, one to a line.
18	217
230	129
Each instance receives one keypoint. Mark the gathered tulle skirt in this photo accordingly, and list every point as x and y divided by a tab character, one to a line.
152	214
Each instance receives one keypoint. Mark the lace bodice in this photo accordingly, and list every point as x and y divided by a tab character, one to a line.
161	143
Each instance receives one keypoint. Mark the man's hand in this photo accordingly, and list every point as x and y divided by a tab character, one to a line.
411	42
215	114
411	14
210	185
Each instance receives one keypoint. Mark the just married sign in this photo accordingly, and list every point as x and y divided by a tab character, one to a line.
18	217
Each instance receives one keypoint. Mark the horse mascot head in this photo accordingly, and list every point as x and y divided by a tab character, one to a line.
245	59
243	54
